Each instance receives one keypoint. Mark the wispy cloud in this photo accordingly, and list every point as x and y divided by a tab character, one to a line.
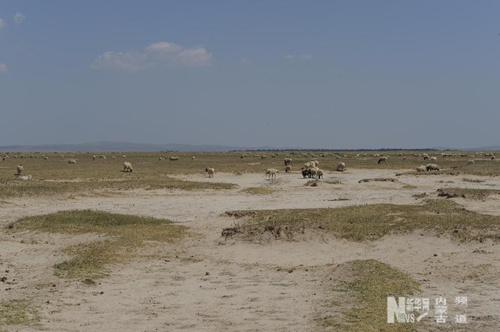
155	55
3	68
2	24
19	18
299	57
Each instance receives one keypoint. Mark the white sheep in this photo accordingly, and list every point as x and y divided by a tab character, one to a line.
210	171
271	173
288	169
341	167
432	167
319	173
421	168
127	167
193	157
433	158
174	158
288	161
20	169
25	177
72	161
470	161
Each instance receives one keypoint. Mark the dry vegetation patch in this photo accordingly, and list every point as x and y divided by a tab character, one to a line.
367	285
18	312
469	193
369	222
123	234
258	190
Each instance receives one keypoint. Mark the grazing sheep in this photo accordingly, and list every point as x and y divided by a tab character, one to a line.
382	160
426	156
243	156
288	161
432	167
288	169
405	158
421	168
45	158
271	173
433	158
20	169
492	157
470	161
263	156
174	158
127	167
72	161
25	177
305	172
160	159
94	157
124	156
193	157
341	167
313	171
319	173
210	171
113	157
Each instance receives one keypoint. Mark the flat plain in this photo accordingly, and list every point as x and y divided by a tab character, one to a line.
86	246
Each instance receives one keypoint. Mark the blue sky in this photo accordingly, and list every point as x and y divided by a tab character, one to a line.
319	74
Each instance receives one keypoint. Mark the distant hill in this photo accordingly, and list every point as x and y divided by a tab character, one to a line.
486	148
122	147
145	147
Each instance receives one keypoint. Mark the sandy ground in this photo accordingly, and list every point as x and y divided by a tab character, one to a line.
206	283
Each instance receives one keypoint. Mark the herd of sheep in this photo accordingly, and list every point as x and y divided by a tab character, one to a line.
309	170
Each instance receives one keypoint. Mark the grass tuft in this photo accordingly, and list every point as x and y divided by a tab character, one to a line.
371	222
123	234
18	312
372	282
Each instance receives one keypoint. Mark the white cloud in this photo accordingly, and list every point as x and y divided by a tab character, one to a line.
155	55
129	61
305	57
19	18
3	68
289	57
2	24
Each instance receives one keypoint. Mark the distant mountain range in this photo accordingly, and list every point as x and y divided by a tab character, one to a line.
123	147
145	147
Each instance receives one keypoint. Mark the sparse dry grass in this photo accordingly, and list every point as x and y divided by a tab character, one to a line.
89	175
18	312
371	222
123	234
258	191
372	281
469	193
